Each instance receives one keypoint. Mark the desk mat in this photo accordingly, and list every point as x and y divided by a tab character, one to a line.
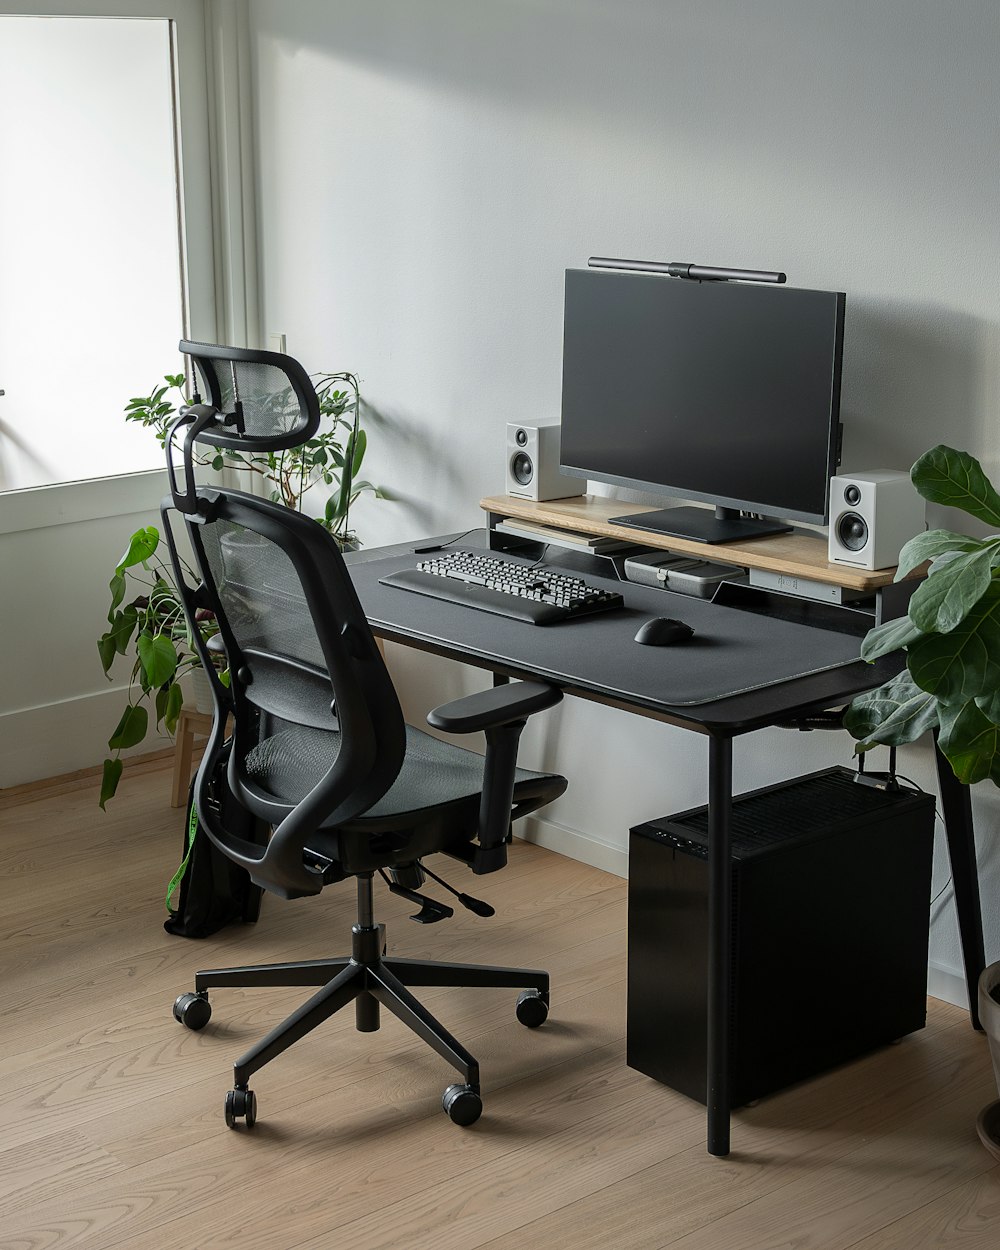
732	652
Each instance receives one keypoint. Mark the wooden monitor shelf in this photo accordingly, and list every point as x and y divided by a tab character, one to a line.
800	554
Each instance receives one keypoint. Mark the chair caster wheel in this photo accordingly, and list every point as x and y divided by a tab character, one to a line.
193	1010
532	1009
241	1104
462	1105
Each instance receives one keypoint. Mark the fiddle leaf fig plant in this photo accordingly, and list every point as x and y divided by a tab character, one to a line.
332	458
950	634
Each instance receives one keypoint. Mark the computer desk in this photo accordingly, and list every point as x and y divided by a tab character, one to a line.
596	659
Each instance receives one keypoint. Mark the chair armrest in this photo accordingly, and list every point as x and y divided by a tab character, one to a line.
502	713
489	709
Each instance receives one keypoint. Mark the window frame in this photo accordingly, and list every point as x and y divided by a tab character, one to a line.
67	502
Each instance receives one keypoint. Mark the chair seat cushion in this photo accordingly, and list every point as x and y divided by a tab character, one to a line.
436	772
288	764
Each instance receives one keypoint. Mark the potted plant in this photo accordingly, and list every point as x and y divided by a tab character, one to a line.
332	459
951	682
151	629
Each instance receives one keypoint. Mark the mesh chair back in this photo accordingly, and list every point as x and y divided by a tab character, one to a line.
316	714
267	398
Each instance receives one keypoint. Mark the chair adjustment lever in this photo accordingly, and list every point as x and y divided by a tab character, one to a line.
475	905
431	911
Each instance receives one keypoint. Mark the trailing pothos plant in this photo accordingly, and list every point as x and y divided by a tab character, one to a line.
950	634
150	629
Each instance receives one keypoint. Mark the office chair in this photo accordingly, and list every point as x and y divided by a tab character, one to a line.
318	748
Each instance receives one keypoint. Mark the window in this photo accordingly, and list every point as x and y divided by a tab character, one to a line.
91	299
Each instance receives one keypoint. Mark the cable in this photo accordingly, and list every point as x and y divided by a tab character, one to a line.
941	891
419	551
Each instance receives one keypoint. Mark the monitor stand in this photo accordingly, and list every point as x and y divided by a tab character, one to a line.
724	525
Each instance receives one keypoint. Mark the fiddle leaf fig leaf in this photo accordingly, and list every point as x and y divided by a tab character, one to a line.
889	637
971	742
989	705
109	780
951	590
930	545
142	545
158	658
897	712
131	728
964	663
956	479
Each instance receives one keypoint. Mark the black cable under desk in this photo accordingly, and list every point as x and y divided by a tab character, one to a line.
741	671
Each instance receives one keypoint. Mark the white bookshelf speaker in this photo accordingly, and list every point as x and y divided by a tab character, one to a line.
533	463
872	514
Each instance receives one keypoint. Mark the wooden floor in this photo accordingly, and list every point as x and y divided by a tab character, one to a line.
111	1124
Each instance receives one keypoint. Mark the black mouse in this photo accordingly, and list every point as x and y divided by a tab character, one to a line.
662	631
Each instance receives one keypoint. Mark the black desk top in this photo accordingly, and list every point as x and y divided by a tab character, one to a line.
740	671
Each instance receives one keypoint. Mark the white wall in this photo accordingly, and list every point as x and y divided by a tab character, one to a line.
58	549
428	169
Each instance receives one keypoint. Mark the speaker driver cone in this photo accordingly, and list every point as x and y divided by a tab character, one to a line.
852	531
521	468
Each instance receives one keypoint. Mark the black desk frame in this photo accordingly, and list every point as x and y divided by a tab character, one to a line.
722	721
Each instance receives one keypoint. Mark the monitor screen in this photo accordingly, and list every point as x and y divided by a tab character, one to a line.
721	392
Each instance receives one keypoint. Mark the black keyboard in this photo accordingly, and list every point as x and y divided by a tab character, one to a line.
524	592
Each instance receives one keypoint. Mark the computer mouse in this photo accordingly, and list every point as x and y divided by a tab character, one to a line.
662	631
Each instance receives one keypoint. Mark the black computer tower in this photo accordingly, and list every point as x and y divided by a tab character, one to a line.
831	904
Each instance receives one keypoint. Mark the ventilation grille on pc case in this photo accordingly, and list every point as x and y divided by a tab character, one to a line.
802	808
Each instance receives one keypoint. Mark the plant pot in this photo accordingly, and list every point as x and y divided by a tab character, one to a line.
202	689
242	555
988	1123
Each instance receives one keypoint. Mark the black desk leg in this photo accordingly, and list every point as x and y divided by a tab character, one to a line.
956	803
720	926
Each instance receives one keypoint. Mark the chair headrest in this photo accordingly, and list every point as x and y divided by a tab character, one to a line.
265	400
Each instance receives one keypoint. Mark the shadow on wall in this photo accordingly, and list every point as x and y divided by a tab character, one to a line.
442	474
916	375
20	463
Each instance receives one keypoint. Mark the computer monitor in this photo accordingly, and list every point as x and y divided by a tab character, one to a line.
725	393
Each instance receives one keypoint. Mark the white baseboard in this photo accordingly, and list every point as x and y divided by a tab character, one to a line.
57	738
948	984
574	845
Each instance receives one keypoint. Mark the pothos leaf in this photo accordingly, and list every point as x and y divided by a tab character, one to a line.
131	728
174	703
157	657
141	546
109	780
